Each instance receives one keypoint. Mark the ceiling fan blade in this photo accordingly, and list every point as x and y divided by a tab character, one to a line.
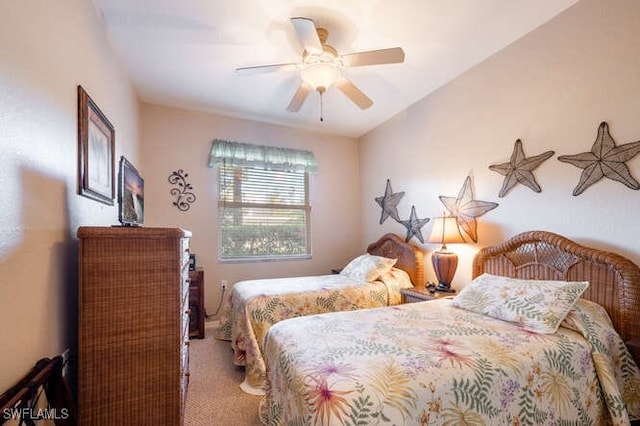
260	69
298	99
353	93
307	34
393	55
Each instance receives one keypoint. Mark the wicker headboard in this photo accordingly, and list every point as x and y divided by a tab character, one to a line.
410	258
614	281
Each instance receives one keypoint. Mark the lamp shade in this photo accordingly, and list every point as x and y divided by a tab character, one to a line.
445	231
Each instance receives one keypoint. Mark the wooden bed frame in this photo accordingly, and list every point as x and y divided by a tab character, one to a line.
614	281
410	258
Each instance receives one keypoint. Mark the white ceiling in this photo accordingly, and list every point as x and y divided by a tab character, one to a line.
183	53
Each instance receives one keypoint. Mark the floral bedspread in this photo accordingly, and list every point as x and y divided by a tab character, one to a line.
254	306
432	363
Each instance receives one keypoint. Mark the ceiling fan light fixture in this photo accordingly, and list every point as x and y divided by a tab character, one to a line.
321	70
320	75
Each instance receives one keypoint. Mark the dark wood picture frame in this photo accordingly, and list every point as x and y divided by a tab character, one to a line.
96	151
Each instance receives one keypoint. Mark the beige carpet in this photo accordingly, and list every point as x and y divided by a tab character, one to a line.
214	396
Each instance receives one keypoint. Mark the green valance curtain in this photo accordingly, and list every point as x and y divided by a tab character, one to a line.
260	156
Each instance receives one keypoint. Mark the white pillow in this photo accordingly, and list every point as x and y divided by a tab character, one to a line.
397	277
368	267
538	306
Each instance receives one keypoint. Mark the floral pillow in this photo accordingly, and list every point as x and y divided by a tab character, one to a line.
538	306
368	267
396	277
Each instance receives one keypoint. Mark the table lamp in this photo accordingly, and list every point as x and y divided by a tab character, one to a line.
445	231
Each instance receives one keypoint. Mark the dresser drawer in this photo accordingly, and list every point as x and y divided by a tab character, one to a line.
184	284
185	319
184	379
184	251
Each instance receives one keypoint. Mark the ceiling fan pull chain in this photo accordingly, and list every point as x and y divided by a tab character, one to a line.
321	118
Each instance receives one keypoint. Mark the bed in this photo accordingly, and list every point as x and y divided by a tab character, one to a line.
253	306
537	337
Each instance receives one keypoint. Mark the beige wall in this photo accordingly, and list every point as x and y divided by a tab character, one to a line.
46	50
551	89
175	139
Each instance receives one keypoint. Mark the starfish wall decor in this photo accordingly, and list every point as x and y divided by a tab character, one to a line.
520	169
389	203
414	225
604	160
466	209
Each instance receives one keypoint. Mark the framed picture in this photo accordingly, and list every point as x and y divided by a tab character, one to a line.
96	151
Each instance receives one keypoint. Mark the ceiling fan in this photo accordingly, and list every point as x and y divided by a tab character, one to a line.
321	65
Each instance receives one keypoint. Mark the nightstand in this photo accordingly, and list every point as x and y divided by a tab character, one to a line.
421	294
196	303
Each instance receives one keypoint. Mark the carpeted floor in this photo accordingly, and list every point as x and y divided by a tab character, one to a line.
214	396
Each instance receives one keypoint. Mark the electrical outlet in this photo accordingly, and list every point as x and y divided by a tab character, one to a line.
224	284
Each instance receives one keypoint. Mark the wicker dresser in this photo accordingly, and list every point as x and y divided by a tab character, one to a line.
133	353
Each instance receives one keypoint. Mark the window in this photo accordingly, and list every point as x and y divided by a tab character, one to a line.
263	214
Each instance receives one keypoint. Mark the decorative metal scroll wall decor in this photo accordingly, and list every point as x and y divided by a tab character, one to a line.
389	204
466	209
604	160
519	169
182	191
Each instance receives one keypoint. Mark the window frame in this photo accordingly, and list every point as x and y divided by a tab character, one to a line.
222	203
